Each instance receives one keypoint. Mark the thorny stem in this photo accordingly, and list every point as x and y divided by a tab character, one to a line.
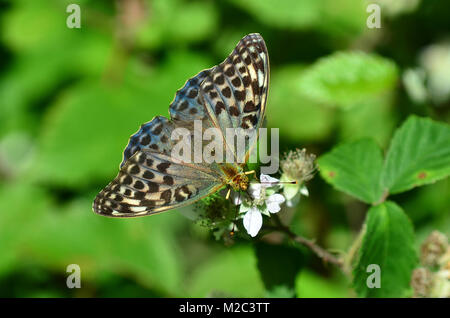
350	257
319	251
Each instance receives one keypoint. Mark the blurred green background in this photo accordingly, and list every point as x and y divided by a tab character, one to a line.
70	99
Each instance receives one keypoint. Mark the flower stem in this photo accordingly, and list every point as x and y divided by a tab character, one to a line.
319	251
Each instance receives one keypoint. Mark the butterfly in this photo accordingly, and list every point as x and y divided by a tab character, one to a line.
232	94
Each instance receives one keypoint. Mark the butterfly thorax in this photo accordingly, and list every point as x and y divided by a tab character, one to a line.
240	182
235	177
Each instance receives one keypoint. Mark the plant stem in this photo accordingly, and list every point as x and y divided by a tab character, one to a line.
319	251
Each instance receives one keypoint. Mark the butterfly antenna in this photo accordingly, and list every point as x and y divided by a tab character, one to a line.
271	183
279	182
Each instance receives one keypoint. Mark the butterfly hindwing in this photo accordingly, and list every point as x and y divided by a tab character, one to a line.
154	135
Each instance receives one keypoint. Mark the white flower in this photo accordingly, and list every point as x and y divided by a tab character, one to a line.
273	202
267	181
263	201
258	190
253	221
253	217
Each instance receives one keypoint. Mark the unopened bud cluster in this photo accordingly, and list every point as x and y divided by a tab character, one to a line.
433	278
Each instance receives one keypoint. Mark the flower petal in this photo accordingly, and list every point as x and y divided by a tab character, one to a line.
304	191
236	198
266	180
276	198
273	207
273	202
255	190
253	221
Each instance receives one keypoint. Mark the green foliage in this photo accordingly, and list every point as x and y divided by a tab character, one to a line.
340	18
346	79
172	23
19	217
378	112
311	285
48	56
355	168
70	99
231	273
53	236
286	98
278	266
419	154
389	243
291	13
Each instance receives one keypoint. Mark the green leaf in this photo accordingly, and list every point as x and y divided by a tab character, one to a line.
278	265
419	154
345	79
389	243
354	168
232	272
288	104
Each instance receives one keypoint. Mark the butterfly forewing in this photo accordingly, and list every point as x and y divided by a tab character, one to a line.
235	91
229	95
151	182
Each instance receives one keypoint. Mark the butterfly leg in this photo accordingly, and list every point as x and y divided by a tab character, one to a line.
251	172
228	194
